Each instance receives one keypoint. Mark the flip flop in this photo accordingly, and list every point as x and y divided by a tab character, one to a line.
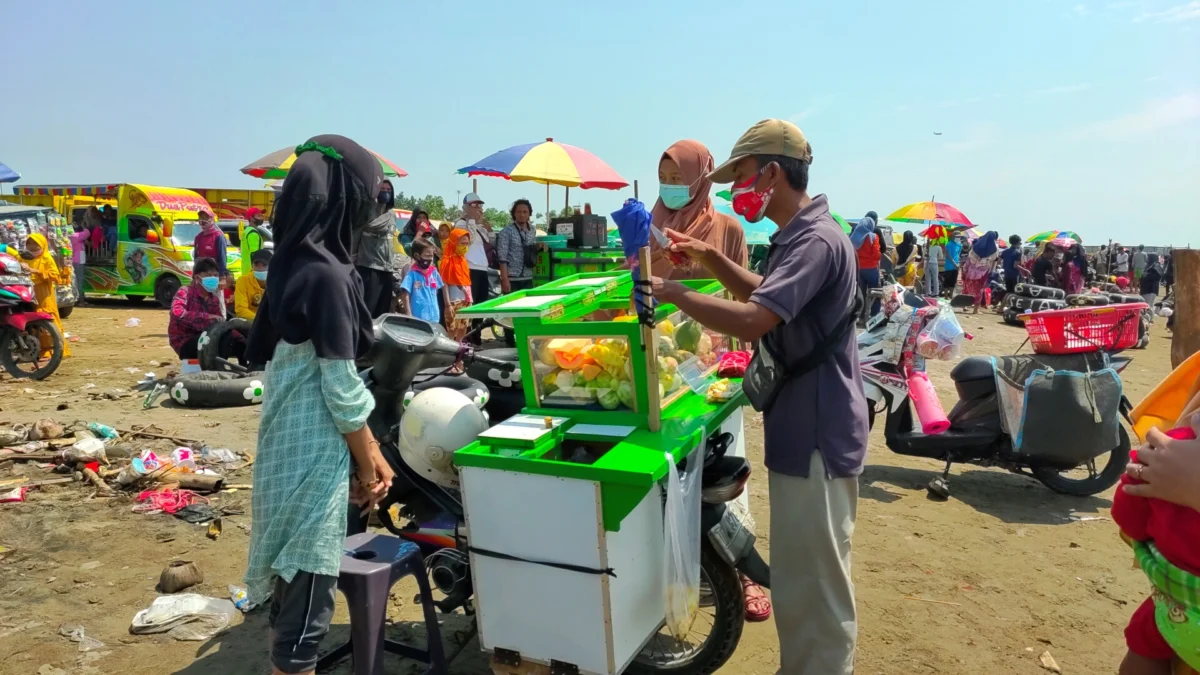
758	605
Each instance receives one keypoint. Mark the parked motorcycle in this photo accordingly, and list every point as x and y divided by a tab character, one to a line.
976	435
31	346
404	347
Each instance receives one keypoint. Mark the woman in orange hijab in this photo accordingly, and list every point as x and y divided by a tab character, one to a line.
456	274
685	205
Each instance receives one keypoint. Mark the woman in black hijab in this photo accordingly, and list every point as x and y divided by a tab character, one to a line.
313	435
905	257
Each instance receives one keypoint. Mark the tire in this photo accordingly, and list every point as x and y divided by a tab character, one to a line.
64	312
1033	291
1108	477
1046	305
165	289
214	389
728	622
473	389
870	415
136	299
1123	298
1010	318
209	353
1087	300
9	358
507	394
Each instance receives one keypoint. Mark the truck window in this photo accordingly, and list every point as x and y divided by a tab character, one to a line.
138	227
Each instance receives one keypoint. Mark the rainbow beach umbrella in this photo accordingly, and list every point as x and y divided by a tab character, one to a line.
1051	235
276	165
551	163
934	213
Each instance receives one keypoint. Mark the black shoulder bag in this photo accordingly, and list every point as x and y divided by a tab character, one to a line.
768	372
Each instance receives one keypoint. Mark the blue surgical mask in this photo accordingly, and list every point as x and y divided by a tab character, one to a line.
210	284
674	197
260	275
384	197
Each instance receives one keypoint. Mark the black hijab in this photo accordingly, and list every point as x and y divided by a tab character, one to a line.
410	228
905	248
313	292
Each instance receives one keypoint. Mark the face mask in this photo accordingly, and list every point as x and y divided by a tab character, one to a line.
27	255
257	222
422	263
261	276
461	250
384	198
674	197
206	225
749	203
210	283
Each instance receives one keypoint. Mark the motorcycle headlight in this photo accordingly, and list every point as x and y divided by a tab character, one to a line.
11	266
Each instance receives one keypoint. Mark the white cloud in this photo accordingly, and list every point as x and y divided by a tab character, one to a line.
1153	116
1188	11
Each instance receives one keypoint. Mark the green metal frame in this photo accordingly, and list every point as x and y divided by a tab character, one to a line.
628	470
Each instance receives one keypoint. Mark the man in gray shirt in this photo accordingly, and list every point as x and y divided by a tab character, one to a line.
815	431
1139	262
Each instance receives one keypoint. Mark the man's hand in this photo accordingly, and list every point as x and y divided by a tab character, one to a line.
666	290
693	248
1168	468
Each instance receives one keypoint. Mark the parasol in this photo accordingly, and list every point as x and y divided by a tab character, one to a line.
934	213
1051	235
7	175
549	163
276	165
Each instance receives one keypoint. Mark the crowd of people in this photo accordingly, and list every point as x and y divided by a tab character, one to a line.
945	263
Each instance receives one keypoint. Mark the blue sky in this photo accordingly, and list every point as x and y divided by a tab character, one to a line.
1054	114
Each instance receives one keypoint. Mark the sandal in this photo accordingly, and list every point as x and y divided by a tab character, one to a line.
758	605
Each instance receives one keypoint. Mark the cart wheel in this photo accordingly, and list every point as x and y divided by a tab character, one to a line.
939	489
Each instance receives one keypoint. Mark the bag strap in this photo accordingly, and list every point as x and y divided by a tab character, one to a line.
823	350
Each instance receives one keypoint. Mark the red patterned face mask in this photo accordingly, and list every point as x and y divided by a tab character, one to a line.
749	203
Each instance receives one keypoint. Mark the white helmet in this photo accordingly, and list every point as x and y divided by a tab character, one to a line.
436	423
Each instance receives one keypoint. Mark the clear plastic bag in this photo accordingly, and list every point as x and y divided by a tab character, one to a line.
942	336
681	536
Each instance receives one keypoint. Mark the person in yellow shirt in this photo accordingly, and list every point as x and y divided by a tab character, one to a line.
45	275
248	292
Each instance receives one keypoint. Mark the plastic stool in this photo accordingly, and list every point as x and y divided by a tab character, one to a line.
372	564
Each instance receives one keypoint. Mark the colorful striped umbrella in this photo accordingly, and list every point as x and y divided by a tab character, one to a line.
1050	235
276	165
934	213
550	163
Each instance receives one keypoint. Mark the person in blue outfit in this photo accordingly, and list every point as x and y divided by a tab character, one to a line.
421	286
1009	259
950	267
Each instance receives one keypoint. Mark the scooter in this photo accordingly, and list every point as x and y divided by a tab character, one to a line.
976	435
25	334
433	509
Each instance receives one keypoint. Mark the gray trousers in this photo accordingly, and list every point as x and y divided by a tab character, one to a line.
78	268
812	522
932	282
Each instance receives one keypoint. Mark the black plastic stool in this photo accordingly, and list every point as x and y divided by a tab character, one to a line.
372	564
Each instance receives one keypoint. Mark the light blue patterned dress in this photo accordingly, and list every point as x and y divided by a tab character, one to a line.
302	469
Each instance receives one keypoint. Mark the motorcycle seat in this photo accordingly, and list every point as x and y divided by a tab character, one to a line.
973	368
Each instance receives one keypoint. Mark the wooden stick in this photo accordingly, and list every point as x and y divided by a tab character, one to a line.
151	434
650	347
936	602
239	486
1185	338
52	481
201	482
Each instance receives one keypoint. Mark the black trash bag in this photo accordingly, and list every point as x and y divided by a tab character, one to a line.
1070	417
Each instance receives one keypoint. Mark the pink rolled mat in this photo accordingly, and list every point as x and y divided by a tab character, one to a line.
925	400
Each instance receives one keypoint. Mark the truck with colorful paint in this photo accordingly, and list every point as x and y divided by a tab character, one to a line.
150	252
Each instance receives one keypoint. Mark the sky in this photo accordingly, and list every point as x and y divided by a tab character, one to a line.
1052	114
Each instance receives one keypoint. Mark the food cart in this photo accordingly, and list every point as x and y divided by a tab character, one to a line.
565	503
17	222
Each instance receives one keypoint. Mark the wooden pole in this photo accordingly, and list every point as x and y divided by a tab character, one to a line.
475	185
1185	339
635	194
650	348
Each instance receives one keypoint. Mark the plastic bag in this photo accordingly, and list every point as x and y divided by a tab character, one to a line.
681	538
187	616
942	337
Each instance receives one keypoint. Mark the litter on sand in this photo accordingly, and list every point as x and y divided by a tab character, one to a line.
76	634
188	616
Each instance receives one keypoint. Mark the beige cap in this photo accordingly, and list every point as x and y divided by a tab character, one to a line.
768	137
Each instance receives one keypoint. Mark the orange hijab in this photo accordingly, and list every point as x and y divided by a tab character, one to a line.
697	218
454	268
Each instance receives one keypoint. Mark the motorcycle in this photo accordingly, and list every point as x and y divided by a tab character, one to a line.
976	435
26	335
433	509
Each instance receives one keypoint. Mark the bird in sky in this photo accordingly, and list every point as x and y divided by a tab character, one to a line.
937	133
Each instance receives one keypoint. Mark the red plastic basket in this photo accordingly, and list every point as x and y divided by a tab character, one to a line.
1084	329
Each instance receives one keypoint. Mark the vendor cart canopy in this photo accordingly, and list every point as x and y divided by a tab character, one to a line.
102	190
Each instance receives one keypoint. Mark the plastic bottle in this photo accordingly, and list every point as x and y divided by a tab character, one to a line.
102	430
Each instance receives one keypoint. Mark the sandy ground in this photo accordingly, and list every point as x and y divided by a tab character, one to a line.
983	583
